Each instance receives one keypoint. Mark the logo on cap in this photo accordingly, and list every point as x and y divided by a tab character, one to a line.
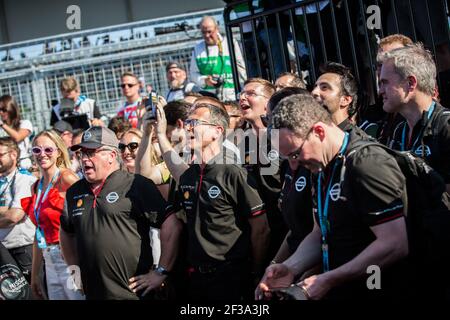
300	184
112	197
87	136
335	192
213	192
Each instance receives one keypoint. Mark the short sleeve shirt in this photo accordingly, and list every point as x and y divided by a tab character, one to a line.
218	201
113	235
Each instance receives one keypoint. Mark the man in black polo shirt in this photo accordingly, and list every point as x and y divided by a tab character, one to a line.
359	213
106	220
407	85
226	219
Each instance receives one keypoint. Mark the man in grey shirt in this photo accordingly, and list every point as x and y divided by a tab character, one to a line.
16	229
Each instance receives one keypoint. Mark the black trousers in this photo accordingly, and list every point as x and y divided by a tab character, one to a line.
23	256
228	282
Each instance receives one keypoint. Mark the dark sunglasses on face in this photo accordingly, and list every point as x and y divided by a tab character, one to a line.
38	150
3	110
129	85
132	146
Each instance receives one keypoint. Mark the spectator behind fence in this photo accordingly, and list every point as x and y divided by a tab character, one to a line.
19	130
407	84
362	221
65	131
289	79
44	208
210	66
178	82
131	110
16	229
119	203
119	126
75	104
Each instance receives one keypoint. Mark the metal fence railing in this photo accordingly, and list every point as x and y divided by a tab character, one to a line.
33	78
289	35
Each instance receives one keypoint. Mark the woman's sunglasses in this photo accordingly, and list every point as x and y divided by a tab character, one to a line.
132	146
38	150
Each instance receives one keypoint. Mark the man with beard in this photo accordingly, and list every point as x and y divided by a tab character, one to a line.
178	83
16	229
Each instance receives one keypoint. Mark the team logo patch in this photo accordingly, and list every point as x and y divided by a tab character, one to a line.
186	195
213	192
273	155
112	197
335	192
87	136
423	149
300	184
79	203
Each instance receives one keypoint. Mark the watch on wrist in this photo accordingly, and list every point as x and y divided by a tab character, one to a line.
161	271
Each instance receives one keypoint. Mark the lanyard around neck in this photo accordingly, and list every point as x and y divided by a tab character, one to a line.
429	114
40	200
9	185
323	211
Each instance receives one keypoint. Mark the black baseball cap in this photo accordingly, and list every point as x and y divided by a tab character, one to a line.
173	64
96	137
62	126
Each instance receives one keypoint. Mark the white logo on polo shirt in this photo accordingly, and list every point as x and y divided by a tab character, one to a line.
112	197
419	150
87	136
273	155
300	184
213	192
335	192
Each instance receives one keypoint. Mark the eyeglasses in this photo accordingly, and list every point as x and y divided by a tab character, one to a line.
90	153
3	110
38	150
296	154
129	85
191	123
250	93
132	146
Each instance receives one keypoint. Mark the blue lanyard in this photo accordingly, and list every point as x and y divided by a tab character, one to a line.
39	201
323	212
430	113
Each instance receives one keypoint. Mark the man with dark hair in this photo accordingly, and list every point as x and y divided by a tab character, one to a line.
358	218
16	229
178	82
226	222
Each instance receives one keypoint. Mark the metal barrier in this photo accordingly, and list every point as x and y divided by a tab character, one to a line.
301	35
34	79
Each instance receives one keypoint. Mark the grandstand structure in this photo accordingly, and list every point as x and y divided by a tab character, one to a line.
32	70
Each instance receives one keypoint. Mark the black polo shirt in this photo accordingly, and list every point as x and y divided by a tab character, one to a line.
113	236
430	139
371	193
263	164
296	205
218	201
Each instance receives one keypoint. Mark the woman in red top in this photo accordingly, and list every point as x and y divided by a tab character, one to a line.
44	208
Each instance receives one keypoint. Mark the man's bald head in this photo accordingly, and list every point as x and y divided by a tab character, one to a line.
210	31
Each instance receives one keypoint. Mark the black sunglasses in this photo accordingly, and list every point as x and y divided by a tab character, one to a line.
129	85
131	146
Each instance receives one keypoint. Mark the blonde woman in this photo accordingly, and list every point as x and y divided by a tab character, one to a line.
44	208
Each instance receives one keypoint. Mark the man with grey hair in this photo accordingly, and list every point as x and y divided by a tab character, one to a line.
210	66
106	220
358	221
226	220
407	86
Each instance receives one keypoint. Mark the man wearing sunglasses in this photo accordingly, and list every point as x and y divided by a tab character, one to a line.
226	222
130	90
358	216
106	220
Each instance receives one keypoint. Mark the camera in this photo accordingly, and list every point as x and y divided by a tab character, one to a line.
220	81
150	106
